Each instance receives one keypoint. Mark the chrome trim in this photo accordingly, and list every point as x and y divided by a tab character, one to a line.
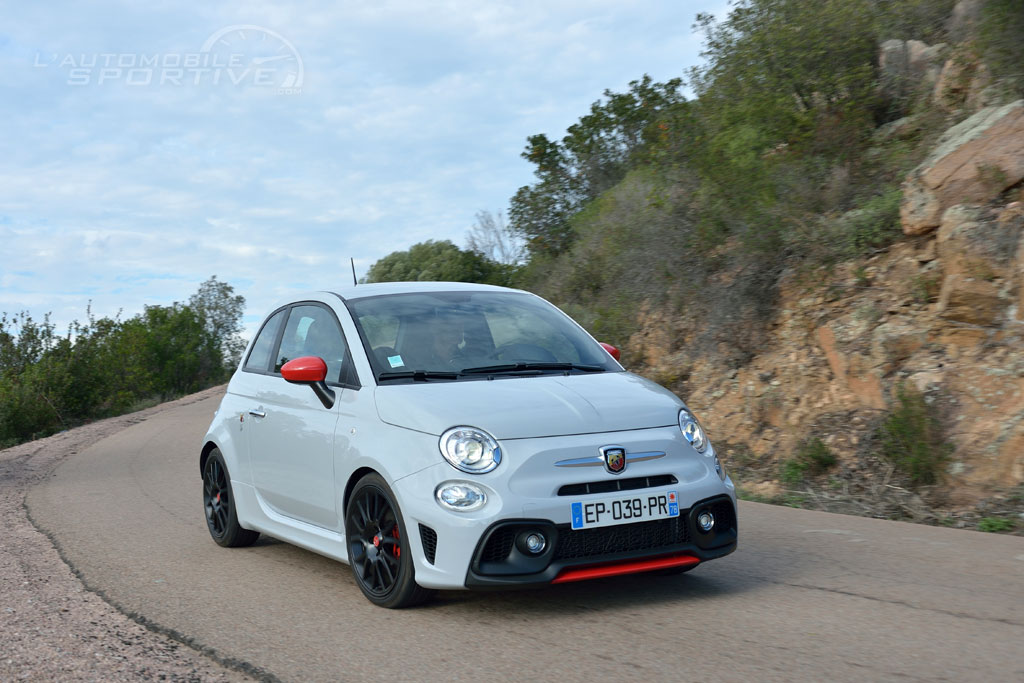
257	413
598	461
592	461
640	457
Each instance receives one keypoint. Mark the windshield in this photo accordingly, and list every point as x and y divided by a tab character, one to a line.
429	336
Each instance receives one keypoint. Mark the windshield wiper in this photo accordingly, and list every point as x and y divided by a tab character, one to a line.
417	375
533	366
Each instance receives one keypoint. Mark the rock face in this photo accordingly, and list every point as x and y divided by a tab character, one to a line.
942	314
968	300
974	161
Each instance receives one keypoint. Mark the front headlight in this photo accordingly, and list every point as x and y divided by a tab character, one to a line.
470	450
692	431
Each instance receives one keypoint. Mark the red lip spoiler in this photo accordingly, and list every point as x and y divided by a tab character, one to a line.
619	568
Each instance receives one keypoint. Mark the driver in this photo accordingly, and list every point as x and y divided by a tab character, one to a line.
447	334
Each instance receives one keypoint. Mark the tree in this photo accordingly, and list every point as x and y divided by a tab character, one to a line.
594	155
439	261
177	349
105	366
221	310
494	240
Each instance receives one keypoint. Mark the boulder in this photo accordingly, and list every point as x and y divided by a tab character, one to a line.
905	64
973	162
968	300
965	243
953	84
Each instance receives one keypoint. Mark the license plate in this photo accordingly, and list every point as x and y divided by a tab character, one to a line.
612	511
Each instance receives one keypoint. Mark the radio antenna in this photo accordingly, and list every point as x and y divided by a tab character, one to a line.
353	262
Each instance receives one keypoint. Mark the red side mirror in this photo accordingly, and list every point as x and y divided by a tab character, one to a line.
612	351
305	369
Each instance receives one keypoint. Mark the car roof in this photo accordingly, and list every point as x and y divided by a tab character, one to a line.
381	288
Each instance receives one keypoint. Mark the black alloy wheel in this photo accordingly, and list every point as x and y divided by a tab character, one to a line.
219	505
378	549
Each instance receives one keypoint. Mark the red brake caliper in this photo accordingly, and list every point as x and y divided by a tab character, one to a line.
398	550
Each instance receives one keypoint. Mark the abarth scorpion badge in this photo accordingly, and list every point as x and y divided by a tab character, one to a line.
614	458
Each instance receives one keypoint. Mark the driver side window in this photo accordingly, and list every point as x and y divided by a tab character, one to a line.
313	331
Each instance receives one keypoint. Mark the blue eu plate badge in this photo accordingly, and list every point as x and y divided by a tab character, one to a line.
577	515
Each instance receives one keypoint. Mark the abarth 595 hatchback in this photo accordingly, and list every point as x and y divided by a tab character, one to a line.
452	436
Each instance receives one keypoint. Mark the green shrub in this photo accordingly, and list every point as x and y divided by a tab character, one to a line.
996	524
876	223
999	41
106	366
817	455
793	471
812	457
912	439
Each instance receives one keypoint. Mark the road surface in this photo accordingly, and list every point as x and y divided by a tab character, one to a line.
808	595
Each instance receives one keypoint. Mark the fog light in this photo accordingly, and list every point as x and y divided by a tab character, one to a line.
706	521
535	542
460	496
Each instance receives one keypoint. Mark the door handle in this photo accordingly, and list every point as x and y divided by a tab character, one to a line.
256	412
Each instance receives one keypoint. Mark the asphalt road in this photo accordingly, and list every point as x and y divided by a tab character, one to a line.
808	596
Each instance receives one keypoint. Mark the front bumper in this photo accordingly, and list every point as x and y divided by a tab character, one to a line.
500	561
458	550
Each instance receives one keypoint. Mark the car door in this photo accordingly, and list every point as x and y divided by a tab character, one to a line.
292	443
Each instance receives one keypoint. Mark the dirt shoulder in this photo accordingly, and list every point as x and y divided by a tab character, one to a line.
54	628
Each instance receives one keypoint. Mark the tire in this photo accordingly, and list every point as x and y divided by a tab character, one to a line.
219	505
378	546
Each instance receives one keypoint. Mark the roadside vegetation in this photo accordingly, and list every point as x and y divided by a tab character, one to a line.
776	161
912	439
685	201
52	380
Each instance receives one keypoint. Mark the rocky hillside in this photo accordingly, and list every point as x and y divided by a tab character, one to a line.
819	247
936	320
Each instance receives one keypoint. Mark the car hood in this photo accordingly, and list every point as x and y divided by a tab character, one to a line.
530	407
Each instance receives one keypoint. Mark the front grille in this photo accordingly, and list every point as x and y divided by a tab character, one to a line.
622	539
611	485
499	545
429	539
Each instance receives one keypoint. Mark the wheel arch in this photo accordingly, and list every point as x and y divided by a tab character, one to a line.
351	484
207	449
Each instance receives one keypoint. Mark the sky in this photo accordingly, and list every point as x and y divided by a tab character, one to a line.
147	146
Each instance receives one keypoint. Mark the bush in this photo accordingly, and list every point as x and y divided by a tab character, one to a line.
812	457
999	41
996	524
912	439
106	366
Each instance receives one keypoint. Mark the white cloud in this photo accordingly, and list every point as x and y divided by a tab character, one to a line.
410	120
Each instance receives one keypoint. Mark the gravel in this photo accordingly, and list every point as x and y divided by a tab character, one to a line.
52	627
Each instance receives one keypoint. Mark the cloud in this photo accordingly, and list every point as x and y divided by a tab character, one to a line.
410	119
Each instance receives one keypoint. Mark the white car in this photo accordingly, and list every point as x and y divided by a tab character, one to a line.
442	435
